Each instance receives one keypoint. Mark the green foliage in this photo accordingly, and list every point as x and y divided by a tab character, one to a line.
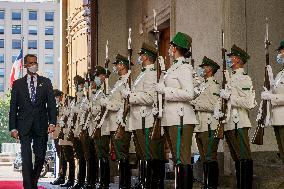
4	121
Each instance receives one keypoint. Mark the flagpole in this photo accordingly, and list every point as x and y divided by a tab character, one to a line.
22	70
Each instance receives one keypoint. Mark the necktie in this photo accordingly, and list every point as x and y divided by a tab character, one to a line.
33	92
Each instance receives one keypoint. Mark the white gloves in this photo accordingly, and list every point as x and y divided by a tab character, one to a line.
125	92
162	63
266	95
160	88
225	94
217	113
104	102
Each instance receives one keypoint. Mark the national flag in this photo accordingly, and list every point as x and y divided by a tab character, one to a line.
16	68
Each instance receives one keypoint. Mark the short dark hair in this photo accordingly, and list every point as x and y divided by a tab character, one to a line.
28	56
184	52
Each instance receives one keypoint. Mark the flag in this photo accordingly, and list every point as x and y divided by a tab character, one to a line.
16	68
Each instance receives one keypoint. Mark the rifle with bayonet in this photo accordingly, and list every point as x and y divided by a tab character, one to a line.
126	107
222	120
261	121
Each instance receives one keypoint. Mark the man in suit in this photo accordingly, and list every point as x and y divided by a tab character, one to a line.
32	116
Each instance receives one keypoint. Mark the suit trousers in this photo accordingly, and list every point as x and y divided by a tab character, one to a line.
68	155
147	148
239	144
279	133
180	141
31	173
207	145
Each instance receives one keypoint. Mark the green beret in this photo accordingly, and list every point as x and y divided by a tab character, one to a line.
101	70
148	50
208	62
182	40
78	80
281	46
57	92
237	51
119	59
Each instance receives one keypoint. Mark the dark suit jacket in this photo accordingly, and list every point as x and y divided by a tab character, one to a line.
24	115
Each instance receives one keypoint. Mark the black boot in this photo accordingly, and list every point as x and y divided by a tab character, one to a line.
237	167
213	175
246	174
91	174
158	174
58	181
124	174
205	175
184	177
69	183
104	173
141	177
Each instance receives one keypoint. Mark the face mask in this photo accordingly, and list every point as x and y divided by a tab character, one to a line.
139	60
279	59
33	69
80	88
57	101
114	70
98	81
200	72
229	63
86	85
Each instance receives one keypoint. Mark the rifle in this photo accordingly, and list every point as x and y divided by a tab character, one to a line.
156	133
259	132
126	107
97	132
220	127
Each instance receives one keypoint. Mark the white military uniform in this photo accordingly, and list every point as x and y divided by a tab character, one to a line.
179	91
143	94
241	100
116	103
204	105
277	100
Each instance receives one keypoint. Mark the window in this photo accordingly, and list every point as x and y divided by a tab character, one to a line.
16	29
1	43
48	59
49	73
32	44
16	44
1	58
1	87
2	14
49	16
33	30
32	15
14	58
49	30
2	72
16	15
1	29
48	44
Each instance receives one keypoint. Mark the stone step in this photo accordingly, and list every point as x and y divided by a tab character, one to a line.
6	163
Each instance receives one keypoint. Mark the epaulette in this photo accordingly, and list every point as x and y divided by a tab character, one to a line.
185	62
216	81
153	69
245	73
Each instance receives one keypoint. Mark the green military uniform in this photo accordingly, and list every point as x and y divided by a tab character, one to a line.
179	117
241	100
114	104
204	104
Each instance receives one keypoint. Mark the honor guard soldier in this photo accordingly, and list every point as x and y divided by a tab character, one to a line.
102	139
141	99
114	106
179	117
204	104
241	98
276	97
77	144
62	162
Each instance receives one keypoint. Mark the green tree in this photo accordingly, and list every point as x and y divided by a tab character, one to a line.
4	121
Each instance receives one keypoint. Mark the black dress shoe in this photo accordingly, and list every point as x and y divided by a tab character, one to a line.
67	184
58	181
77	186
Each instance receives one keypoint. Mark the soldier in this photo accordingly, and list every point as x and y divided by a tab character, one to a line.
101	136
276	97
66	146
114	105
141	99
179	117
62	162
241	98
205	131
74	135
